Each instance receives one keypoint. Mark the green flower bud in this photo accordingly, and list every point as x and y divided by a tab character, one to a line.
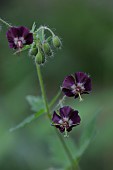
40	58
47	49
33	51
56	42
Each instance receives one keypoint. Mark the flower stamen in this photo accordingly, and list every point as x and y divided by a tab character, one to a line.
66	133
80	98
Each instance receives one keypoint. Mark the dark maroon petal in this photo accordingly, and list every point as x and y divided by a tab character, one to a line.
62	129
23	31
81	77
65	111
75	117
29	38
69	129
68	82
12	45
9	36
76	96
14	31
67	92
56	118
88	85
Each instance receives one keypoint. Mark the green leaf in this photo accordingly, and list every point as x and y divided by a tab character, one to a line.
27	120
36	103
40	34
33	27
23	123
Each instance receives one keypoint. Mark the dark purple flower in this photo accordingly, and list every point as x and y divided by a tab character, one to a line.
65	119
77	84
19	36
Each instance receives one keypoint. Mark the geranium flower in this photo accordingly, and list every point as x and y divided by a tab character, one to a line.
77	84
18	37
65	119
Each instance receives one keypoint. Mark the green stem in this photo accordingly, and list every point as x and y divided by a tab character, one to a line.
46	28
43	90
73	163
4	22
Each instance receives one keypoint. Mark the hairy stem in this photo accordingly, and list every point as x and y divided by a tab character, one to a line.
4	22
46	28
69	155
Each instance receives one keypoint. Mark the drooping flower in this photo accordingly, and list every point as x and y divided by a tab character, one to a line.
65	119
18	37
77	84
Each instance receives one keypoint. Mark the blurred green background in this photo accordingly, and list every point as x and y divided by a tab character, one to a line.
86	31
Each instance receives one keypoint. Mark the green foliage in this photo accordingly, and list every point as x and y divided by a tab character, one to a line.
37	106
33	27
23	123
35	102
40	34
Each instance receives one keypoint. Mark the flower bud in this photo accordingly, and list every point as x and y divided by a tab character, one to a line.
33	51
40	58
47	49
56	42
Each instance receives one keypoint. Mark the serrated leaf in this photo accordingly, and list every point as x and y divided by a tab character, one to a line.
40	34
27	120
36	103
33	27
23	123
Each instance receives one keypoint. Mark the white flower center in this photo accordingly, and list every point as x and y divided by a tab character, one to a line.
79	87
18	40
70	122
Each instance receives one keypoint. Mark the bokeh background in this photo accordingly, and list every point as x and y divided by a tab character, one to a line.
86	31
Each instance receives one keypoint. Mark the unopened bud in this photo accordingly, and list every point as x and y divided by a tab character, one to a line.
40	58
56	42
47	49
33	51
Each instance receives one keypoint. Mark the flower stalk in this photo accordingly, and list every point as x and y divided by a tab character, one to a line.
4	22
74	163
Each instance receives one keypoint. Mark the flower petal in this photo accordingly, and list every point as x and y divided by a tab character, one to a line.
12	45
62	129
65	111
81	77
88	85
67	92
74	117
56	118
68	82
29	38
23	31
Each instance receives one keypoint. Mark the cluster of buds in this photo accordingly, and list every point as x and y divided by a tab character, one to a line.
40	47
